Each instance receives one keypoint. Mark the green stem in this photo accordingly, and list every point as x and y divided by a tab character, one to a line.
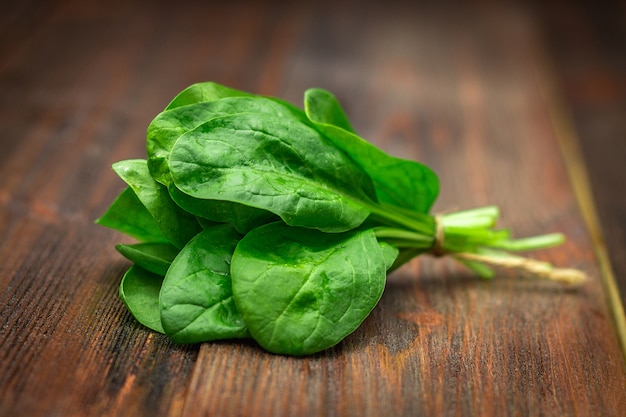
421	223
469	237
393	233
530	243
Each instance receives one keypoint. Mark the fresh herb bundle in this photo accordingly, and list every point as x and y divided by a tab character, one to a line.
259	219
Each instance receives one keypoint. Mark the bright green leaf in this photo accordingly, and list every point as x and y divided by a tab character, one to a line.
169	125
196	297
128	215
301	290
398	182
139	290
154	257
274	164
175	224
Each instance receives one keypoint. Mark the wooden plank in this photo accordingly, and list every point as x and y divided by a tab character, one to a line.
461	89
68	111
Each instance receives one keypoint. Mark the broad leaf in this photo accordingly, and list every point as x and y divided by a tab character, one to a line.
154	257
398	182
196	297
128	215
301	290
169	125
275	164
139	290
175	224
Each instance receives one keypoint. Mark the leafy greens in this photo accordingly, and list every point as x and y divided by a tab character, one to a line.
257	219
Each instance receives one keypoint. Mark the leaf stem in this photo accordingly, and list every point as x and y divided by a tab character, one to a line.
469	237
419	222
535	267
391	232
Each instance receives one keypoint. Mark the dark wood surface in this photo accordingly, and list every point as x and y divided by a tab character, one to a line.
493	96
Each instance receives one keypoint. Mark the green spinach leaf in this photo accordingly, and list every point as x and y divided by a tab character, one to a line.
274	164
398	182
128	215
169	125
139	290
154	257
196	297
175	224
301	290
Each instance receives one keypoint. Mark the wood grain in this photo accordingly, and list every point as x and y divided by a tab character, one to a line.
460	88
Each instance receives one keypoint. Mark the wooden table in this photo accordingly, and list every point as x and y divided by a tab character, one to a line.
515	104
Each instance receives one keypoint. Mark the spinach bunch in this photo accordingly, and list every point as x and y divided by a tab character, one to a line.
257	219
